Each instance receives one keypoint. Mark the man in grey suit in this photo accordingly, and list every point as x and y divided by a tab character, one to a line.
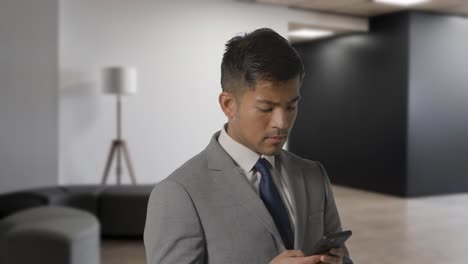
244	199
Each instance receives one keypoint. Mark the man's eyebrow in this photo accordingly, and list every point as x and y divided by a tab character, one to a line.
265	101
295	99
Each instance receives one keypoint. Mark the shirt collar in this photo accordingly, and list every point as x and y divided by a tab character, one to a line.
242	155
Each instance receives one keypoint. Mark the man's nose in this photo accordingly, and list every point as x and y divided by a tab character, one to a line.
279	119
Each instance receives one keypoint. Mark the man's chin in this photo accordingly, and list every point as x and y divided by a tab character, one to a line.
272	151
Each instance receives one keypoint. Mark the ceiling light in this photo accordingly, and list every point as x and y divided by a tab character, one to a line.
309	33
401	2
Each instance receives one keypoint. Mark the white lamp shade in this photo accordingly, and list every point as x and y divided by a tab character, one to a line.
119	80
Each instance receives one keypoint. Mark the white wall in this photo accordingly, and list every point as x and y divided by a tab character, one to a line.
28	94
177	48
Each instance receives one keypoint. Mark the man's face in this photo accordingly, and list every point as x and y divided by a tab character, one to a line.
263	117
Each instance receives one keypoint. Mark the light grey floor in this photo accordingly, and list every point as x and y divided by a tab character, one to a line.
386	230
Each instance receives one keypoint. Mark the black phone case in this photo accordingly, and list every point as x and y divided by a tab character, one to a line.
329	241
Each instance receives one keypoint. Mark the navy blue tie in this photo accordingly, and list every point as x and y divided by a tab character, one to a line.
272	199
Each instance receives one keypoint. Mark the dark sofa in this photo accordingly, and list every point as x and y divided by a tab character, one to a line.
121	209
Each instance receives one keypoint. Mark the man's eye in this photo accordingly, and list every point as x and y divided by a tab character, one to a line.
291	108
264	110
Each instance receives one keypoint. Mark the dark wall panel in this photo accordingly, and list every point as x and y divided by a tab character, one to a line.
353	114
438	104
387	111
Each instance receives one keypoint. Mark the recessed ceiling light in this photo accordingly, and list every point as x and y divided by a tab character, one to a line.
401	2
310	33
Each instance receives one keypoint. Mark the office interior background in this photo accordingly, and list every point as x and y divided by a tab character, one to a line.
383	108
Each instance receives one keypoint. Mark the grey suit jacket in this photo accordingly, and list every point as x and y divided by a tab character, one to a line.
206	212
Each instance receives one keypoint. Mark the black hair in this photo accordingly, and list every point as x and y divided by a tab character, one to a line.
260	55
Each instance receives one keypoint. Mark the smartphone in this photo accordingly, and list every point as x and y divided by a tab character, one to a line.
329	241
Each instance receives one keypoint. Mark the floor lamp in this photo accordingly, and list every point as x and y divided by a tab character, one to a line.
119	81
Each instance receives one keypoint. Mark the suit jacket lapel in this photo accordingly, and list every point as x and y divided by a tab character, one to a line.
296	186
227	175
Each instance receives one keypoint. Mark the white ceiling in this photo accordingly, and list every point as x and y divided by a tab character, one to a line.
368	8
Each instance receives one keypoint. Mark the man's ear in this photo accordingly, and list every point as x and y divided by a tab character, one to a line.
227	101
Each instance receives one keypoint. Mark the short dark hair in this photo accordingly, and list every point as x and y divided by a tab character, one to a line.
260	55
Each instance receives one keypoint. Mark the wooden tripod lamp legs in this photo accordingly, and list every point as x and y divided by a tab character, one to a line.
118	148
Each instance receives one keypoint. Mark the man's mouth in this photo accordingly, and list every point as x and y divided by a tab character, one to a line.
276	139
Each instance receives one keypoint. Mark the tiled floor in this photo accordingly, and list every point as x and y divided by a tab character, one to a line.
386	230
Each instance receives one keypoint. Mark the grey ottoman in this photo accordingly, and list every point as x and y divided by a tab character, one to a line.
50	234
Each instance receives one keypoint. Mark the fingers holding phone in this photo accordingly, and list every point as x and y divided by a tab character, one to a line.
296	257
330	241
331	246
334	256
329	250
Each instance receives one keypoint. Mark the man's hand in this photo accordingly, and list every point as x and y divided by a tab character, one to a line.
335	256
296	257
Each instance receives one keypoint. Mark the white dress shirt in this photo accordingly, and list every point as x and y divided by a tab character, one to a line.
246	159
